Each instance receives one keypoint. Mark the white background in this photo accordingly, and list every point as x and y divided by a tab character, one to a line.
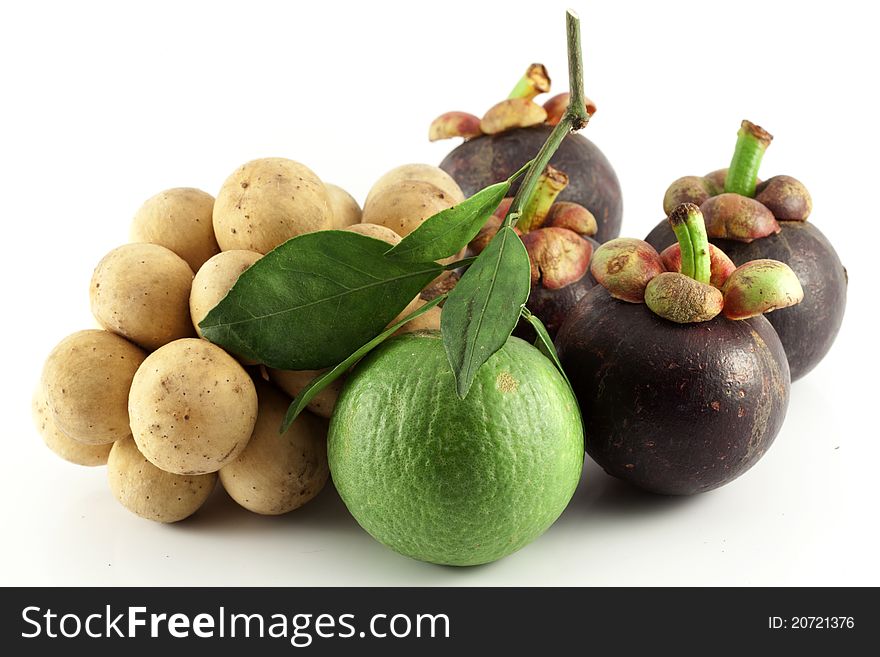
104	104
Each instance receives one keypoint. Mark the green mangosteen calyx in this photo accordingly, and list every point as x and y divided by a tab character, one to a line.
512	113
682	299
573	216
559	257
687	296
518	110
785	197
734	217
689	189
760	286
556	234
559	254
692	281
454	124
768	220
624	266
720	265
736	204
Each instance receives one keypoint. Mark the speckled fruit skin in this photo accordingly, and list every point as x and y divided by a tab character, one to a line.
67	448
480	162
673	408
808	329
192	407
450	481
151	493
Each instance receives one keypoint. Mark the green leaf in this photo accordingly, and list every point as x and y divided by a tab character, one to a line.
484	307
311	301
323	380
449	231
543	342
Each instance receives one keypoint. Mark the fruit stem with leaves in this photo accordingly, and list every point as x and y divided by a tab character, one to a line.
348	286
485	306
575	118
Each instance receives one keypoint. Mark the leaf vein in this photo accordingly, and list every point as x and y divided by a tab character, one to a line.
469	356
348	291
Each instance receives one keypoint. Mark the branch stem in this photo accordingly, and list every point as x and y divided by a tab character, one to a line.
575	118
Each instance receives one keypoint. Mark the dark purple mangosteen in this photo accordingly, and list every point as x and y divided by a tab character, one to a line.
676	397
485	160
673	408
770	222
512	132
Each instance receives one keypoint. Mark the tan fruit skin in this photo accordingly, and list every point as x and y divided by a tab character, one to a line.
141	292
277	474
424	172
192	407
214	280
151	493
344	207
86	380
292	382
67	448
266	202
377	232
428	321
403	207
179	219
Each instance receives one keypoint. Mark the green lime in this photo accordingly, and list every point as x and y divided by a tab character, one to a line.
451	481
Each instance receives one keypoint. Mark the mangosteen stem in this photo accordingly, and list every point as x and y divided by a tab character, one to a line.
534	82
687	223
751	142
575	118
550	184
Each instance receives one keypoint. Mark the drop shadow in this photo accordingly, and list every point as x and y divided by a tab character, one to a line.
600	500
601	497
326	516
325	511
328	512
810	401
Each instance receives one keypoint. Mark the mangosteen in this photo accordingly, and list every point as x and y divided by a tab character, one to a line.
678	398
552	306
512	132
750	220
558	238
673	408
